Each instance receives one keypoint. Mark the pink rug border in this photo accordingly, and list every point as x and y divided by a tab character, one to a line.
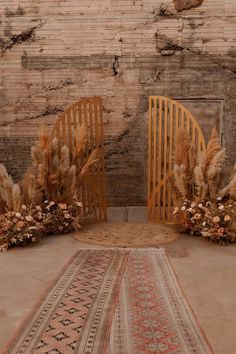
187	301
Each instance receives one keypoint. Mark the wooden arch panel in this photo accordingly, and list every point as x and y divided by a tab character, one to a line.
166	117
88	111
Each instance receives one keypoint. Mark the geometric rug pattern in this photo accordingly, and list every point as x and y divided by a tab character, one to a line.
152	314
75	315
112	301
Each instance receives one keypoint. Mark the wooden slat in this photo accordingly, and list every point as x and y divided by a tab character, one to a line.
74	114
97	171
69	131
80	115
58	135
165	158
193	134
63	127
170	160
93	145
154	163
90	120
188	123
176	118
150	184
103	191
159	156
85	156
182	119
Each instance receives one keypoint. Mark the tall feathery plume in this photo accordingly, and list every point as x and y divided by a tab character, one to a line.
92	159
68	194
6	187
184	164
230	188
213	172
200	185
3	174
213	147
56	172
44	139
16	197
28	187
65	157
80	141
208	169
182	147
179	174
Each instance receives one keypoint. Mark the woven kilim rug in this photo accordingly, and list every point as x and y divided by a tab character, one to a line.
152	314
75	315
116	302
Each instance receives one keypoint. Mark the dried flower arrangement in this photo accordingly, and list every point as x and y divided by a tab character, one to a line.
47	199
206	204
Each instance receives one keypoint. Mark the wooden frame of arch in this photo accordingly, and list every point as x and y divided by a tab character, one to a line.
88	111
166	117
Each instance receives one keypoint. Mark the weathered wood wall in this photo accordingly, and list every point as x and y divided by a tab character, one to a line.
53	52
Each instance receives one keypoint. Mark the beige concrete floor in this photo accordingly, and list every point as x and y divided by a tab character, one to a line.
206	272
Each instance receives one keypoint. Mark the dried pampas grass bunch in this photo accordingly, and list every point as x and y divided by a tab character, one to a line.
57	171
50	188
197	175
206	207
185	160
10	193
208	169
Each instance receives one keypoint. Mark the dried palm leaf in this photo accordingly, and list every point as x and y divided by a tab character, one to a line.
93	158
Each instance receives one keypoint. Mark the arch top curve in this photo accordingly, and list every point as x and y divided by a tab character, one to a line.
166	117
185	110
80	112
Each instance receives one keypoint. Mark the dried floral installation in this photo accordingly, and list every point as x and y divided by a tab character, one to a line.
46	201
206	202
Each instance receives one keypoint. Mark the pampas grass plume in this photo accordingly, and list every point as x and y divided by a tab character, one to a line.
16	197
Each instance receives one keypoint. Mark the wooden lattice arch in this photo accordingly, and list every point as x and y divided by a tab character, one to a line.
86	111
166	117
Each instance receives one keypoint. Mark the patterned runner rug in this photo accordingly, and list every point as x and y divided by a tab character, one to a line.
152	315
75	315
112	301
